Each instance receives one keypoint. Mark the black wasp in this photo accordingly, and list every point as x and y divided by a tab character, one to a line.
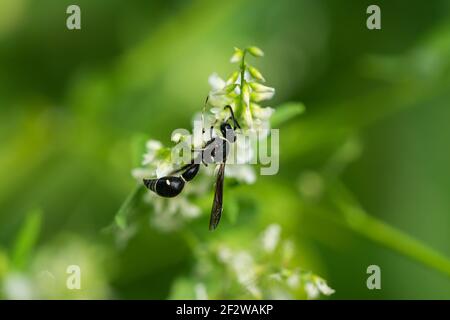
215	151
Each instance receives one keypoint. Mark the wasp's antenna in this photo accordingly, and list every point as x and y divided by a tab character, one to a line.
203	120
236	124
203	114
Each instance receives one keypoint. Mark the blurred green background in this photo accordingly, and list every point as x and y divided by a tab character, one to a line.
376	105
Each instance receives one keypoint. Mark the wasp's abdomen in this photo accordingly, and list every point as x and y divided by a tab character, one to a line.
166	186
190	173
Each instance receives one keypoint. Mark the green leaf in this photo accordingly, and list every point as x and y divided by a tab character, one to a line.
255	51
357	219
286	112
26	239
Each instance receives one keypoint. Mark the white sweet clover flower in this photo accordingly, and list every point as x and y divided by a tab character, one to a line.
171	214
323	286
265	270
243	95
153	147
200	292
243	91
314	286
312	291
243	173
270	237
17	286
156	162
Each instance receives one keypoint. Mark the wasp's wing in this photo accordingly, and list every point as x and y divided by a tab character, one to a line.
216	211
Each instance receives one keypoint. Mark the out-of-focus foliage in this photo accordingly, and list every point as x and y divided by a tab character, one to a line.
267	269
363	178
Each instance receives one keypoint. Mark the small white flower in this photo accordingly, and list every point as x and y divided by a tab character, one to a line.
256	74
219	114
200	292
176	137
323	287
216	82
216	111
163	169
262	113
243	266
233	78
224	254
219	99
170	214
188	210
247	77
153	146
246	95
217	95
270	237
258	87
261	96
237	56
242	151
141	173
255	51
241	172
164	216
293	280
262	128
17	287
312	292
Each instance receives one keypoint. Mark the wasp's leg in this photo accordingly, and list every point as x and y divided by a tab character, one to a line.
203	114
183	168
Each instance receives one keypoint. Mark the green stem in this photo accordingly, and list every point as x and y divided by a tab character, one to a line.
241	85
126	207
242	68
356	219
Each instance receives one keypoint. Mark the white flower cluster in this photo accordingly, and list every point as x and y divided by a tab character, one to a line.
171	214
243	91
316	285
265	271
